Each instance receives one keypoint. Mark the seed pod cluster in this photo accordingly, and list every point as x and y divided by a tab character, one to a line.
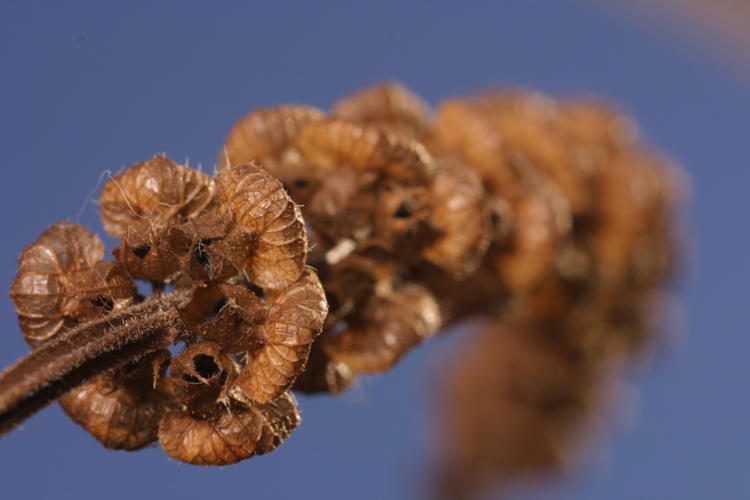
550	216
233	250
526	408
590	307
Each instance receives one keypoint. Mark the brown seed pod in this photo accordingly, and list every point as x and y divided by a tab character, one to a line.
330	144
143	254
264	134
342	206
402	220
595	129
631	238
512	405
322	374
121	410
465	130
281	418
157	191
209	248
389	105
529	258
459	216
295	318
222	438
391	325
540	217
262	209
201	375
61	281
229	436
230	314
526	123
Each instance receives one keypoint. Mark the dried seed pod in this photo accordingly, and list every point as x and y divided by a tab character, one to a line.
526	123
61	281
541	218
329	144
157	191
281	418
463	129
222	438
208	248
342	207
595	129
631	212
201	375
529	258
141	252
295	318
121	410
390	326
262	209
228	436
401	220
232	315
459	216
322	374
390	105
512	405
264	134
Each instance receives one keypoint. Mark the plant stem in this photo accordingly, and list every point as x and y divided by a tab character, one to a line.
87	350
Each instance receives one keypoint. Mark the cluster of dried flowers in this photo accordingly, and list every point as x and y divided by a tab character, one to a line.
246	306
547	218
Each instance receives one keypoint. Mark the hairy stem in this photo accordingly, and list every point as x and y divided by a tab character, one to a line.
83	352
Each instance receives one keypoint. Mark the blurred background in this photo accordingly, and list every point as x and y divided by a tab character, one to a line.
91	87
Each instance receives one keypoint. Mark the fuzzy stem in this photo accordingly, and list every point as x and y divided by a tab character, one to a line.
89	349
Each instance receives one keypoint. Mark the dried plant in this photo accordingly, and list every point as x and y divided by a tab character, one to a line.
548	220
232	250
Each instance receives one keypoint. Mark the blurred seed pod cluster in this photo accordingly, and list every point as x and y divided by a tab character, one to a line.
551	220
233	249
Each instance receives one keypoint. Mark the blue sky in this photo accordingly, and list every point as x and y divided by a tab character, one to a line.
93	86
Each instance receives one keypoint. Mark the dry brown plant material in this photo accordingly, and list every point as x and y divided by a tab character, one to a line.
390	105
269	136
295	318
391	324
233	249
548	218
158	192
230	435
62	280
121	410
263	211
514	407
